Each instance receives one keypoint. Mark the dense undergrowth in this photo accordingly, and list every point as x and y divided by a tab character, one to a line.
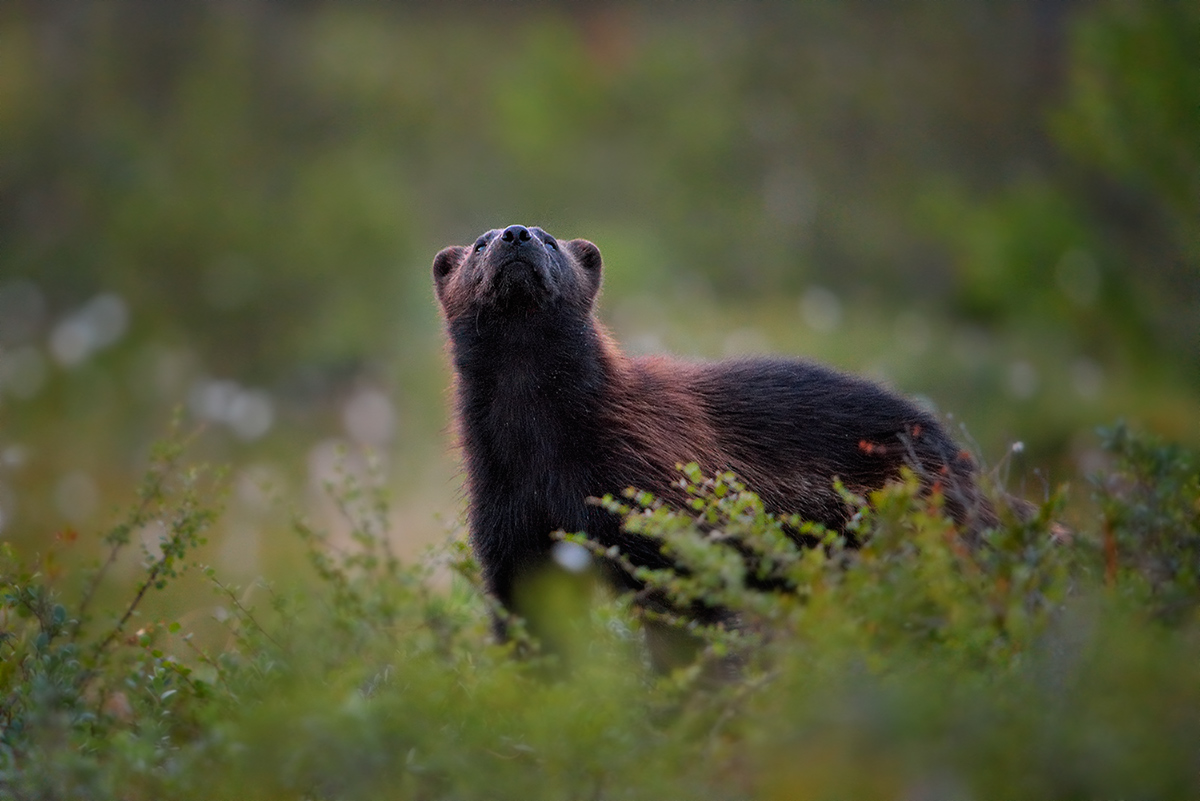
1037	664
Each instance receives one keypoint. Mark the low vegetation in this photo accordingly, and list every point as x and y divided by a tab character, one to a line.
1037	663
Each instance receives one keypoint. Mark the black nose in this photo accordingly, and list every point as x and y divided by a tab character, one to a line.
515	234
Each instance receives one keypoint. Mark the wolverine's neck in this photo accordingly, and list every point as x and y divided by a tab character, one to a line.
518	352
530	387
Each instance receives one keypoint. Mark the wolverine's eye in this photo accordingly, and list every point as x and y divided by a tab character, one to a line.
480	245
551	243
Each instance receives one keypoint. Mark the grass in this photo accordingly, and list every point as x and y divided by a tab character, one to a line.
911	667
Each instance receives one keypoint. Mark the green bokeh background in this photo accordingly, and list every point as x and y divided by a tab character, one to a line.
993	206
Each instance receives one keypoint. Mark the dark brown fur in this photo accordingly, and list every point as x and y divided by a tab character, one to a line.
551	413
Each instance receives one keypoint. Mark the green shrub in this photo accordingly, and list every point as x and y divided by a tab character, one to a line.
1027	666
1151	523
87	703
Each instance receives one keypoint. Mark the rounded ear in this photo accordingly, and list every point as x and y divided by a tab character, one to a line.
444	265
588	256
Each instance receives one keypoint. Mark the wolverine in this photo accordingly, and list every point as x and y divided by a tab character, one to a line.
550	413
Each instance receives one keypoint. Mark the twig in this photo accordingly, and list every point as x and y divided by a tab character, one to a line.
152	494
129	610
171	549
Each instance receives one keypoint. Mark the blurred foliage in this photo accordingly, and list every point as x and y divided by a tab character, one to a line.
233	206
1104	238
1030	666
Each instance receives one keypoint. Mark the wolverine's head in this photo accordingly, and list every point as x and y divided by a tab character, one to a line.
517	268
